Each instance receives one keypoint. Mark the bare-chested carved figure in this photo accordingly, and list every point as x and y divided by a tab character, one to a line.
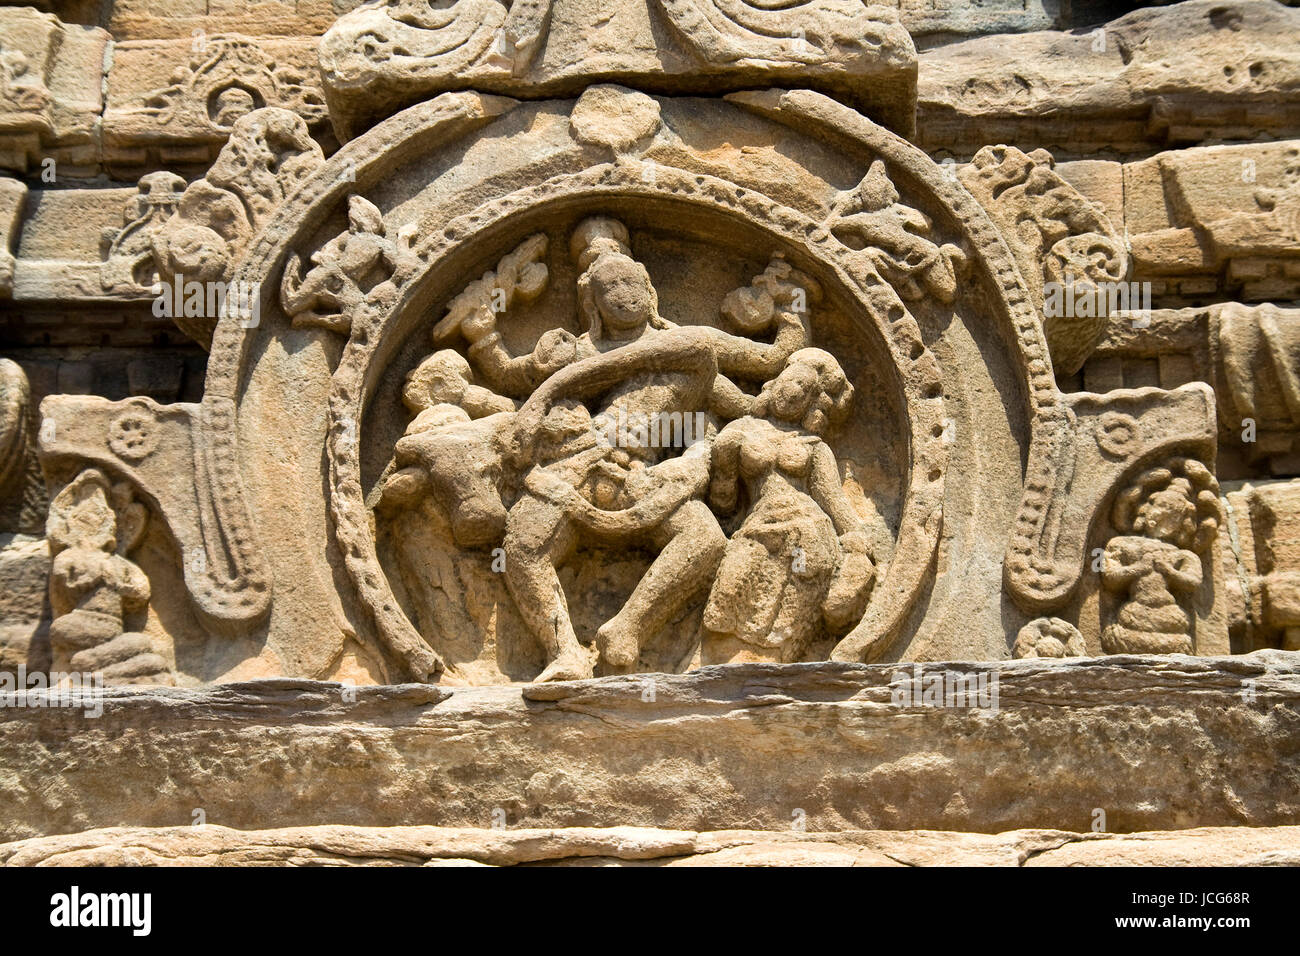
1167	517
800	554
587	488
92	525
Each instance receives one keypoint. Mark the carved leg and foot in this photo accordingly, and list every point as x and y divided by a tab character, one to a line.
538	539
692	544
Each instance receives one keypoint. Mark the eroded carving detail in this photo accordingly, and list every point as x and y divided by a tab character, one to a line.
1259	370
21	90
1259	545
93	525
802	31
1048	637
870	218
267	157
51	92
1166	520
1271	230
229	78
361	266
22	489
13	194
128	253
1058	238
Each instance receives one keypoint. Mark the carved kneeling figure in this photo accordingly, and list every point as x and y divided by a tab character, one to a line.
92	525
1166	517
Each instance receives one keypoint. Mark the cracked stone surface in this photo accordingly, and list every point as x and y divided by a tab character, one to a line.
645	846
836	746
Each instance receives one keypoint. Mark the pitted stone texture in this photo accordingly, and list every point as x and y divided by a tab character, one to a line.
212	845
1186	73
1156	743
380	58
50	93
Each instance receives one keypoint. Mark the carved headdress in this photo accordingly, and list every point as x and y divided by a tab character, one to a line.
600	244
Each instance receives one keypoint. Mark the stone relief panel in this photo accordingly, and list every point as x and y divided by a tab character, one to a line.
614	382
381	57
175	103
643	406
632	392
614	455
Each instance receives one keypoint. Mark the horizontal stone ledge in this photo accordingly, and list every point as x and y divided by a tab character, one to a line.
643	846
1137	743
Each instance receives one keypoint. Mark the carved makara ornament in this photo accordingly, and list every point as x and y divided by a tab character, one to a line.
267	157
1060	239
129	259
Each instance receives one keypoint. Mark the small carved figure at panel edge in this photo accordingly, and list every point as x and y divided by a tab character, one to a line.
1166	519
869	217
93	524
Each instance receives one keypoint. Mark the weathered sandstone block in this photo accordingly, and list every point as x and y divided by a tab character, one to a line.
1163	76
174	103
833	746
212	845
378	58
50	92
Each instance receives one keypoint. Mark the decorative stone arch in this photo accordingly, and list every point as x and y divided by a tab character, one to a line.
918	375
1046	551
